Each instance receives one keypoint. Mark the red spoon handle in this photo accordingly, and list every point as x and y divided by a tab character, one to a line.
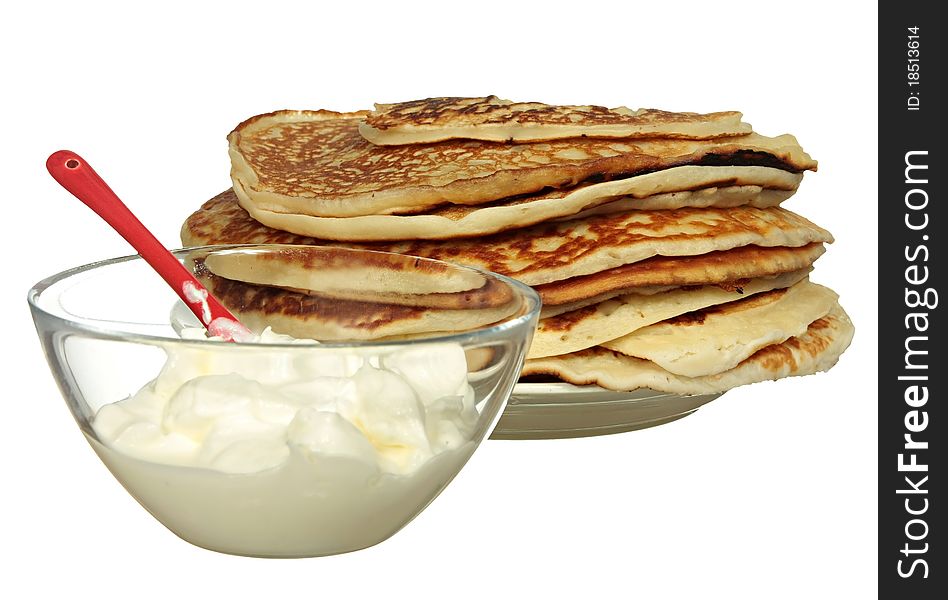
80	179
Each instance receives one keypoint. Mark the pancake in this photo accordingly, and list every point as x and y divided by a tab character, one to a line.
658	273
367	277
816	350
317	163
717	197
677	187
306	315
494	119
550	252
622	315
712	340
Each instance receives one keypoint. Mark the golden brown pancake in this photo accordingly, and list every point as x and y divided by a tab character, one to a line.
317	163
816	350
367	277
312	316
551	251
493	119
718	338
677	187
376	277
712	268
622	315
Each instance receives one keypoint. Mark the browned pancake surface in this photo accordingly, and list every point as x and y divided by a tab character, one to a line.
714	268
815	350
314	316
491	110
548	251
317	163
373	277
269	302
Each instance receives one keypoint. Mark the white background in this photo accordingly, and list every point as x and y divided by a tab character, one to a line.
768	492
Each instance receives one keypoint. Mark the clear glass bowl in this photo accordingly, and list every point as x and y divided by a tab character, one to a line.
278	449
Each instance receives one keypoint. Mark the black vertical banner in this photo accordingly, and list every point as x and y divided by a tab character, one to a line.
913	370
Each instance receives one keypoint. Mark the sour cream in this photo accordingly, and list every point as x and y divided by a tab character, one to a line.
275	451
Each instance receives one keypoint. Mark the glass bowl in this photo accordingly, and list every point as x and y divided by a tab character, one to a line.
286	448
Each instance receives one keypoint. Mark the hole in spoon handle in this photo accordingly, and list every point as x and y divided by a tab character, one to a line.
76	175
80	179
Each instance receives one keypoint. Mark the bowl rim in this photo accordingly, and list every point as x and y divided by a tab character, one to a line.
92	328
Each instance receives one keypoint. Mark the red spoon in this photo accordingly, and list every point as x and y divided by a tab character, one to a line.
78	177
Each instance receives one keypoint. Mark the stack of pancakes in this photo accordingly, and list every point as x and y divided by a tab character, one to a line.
656	240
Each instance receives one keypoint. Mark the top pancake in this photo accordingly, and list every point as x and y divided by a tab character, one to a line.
497	120
317	163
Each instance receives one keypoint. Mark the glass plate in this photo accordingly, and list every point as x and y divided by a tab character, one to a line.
560	410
